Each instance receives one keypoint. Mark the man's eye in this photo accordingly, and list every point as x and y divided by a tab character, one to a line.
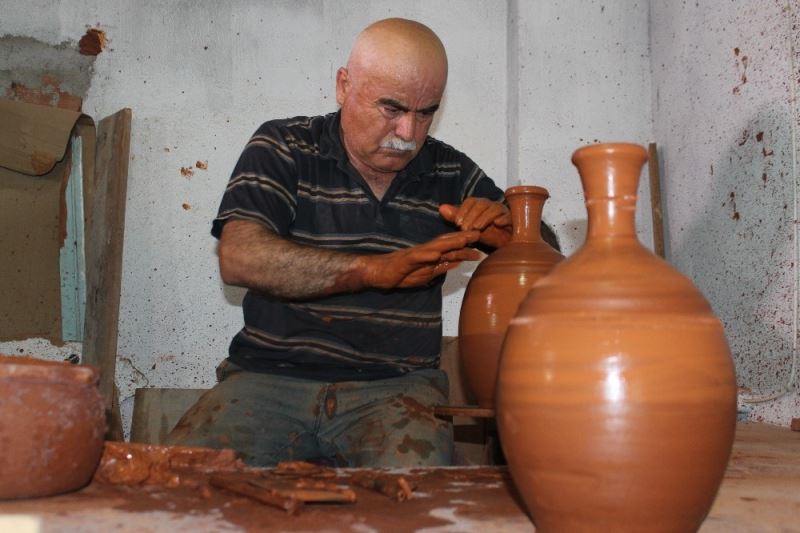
391	110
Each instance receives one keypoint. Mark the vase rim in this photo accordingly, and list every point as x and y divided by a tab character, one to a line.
23	367
527	189
612	148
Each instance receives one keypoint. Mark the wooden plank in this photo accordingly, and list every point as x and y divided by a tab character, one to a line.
655	200
105	234
450	362
156	411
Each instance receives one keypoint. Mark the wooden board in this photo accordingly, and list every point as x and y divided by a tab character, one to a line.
655	200
156	411
105	228
30	223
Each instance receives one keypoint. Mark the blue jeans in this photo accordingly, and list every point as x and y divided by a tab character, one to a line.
268	418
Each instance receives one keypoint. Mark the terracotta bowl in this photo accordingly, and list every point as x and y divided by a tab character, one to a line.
52	423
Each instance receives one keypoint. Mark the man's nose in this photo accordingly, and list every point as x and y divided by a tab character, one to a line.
406	125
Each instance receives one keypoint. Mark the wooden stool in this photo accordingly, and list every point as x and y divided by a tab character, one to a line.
478	441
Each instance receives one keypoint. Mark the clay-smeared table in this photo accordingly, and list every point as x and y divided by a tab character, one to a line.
761	492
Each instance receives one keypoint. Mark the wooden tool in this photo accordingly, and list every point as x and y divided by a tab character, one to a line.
287	494
395	487
655	200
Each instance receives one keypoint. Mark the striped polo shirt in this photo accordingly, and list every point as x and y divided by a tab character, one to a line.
294	177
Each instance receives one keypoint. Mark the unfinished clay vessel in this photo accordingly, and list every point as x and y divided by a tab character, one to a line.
497	287
52	423
616	390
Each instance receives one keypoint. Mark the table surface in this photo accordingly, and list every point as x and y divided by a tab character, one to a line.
761	492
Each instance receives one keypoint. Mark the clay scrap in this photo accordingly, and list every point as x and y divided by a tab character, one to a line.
170	466
288	486
285	493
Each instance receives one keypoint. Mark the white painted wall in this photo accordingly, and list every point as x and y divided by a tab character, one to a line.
725	78
584	77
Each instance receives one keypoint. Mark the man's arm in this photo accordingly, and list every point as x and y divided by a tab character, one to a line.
252	256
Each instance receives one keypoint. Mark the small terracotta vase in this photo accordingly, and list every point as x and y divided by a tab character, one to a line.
52	422
616	390
497	287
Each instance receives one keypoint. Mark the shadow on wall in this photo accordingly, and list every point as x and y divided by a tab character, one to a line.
740	249
233	295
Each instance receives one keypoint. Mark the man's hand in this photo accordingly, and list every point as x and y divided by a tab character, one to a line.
419	265
492	219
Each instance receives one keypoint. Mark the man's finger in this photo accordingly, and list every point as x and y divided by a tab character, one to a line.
494	212
450	241
467	212
448	212
503	221
467	254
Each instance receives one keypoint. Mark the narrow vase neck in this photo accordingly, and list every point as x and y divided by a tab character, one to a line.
526	203
610	178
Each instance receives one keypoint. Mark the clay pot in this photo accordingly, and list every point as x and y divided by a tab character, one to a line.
616	390
497	287
52	422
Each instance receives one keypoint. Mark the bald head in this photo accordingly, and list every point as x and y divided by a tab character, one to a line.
398	47
388	93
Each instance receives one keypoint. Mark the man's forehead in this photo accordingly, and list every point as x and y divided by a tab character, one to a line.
407	90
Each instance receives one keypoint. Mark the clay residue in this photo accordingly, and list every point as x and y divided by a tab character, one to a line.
93	42
169	466
63	213
421	447
484	496
735	215
741	67
418	411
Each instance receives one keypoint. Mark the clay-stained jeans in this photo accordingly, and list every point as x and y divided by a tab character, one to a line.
268	419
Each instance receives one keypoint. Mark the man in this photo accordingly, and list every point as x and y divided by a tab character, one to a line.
342	228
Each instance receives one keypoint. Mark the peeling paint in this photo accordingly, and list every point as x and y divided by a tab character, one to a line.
49	94
40	73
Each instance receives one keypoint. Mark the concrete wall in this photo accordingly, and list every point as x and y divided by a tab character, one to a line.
584	77
725	78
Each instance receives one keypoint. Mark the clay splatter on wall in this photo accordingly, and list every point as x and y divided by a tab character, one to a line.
93	42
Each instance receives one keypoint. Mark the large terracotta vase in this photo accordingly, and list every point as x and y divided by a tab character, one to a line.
616	390
497	287
52	422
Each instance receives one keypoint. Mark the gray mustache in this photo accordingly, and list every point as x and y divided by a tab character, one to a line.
399	144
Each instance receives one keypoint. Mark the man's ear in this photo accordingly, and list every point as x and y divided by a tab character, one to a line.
342	85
